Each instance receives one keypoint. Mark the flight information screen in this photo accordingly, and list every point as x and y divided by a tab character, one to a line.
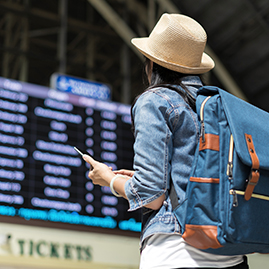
42	176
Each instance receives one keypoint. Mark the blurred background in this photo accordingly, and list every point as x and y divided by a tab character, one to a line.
90	40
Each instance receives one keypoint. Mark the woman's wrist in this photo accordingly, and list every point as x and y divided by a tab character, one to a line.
112	184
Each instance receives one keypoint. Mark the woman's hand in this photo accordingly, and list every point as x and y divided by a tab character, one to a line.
124	172
100	174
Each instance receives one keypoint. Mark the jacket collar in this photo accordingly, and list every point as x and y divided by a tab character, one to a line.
192	81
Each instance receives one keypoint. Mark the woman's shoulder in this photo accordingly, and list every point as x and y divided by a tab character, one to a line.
165	96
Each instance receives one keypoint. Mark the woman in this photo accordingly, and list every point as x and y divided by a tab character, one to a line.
166	134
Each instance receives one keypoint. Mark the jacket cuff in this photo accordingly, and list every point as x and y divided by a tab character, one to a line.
135	201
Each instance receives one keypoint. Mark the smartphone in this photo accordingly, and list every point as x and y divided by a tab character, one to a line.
80	152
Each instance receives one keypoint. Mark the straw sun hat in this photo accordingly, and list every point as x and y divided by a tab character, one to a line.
177	42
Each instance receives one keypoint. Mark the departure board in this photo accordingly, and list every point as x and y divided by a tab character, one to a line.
42	176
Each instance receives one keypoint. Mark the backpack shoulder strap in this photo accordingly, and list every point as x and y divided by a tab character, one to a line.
173	196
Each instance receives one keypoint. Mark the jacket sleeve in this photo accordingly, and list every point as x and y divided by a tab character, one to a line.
152	148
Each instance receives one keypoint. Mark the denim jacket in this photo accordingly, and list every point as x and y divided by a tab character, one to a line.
166	134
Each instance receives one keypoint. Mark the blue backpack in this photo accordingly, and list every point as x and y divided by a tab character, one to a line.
227	207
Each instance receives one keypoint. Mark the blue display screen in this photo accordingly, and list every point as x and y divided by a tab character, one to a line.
82	87
42	176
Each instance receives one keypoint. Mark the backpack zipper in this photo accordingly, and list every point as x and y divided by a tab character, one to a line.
202	118
230	169
235	200
230	158
254	195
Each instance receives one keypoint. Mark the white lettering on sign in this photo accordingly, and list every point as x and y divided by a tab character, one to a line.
16	118
59	193
44	203
57	181
57	170
4	162
12	175
58	126
59	159
58	105
8	186
11	199
15	107
21	97
11	128
55	136
57	115
18	152
14	140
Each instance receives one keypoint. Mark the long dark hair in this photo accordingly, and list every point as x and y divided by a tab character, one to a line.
163	77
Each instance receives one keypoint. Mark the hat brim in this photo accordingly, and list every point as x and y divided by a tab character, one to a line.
206	65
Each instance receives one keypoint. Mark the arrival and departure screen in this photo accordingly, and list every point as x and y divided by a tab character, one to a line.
42	176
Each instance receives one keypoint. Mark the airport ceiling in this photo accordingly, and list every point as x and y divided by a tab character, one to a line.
91	39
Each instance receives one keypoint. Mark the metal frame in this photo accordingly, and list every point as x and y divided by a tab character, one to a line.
14	29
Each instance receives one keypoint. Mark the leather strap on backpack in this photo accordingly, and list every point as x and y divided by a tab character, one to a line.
254	174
